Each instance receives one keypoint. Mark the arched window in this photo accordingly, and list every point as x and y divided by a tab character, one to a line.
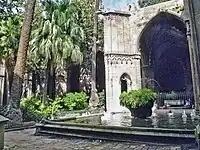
125	81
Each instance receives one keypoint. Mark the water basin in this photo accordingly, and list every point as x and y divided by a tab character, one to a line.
123	127
161	121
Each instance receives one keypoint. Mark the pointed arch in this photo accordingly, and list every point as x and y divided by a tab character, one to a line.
126	82
161	41
153	19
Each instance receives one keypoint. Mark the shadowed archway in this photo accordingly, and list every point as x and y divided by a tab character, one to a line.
125	81
100	72
73	78
165	64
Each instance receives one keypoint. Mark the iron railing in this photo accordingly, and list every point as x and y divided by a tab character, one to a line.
174	98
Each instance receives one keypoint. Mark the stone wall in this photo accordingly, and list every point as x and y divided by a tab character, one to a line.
122	32
119	58
140	18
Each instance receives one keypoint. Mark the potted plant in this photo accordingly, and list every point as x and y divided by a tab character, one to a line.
139	102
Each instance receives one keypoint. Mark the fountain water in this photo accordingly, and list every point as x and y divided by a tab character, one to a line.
193	115
184	117
114	126
150	80
154	108
171	114
106	116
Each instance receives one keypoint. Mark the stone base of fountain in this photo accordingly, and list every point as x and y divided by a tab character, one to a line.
121	128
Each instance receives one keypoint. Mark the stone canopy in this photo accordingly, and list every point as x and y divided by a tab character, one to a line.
127	54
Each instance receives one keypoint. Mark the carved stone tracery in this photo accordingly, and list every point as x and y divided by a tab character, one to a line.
120	58
122	54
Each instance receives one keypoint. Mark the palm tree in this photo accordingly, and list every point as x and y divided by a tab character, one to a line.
9	41
20	67
58	37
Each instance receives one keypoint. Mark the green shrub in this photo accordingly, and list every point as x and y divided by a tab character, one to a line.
74	101
137	98
35	108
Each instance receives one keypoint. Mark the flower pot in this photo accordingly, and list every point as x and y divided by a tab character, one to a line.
143	111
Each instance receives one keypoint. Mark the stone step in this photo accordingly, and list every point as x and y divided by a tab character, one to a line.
128	134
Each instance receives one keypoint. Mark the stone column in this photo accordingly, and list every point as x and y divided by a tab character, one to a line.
116	89
192	18
138	71
108	83
114	43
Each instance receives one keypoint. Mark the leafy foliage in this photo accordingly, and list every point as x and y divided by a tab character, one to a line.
58	35
145	3
11	7
137	98
35	108
74	101
9	35
86	21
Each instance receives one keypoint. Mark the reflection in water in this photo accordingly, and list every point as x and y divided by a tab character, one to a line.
171	120
155	122
184	120
161	121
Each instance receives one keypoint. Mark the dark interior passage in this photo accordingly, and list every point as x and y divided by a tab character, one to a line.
73	78
100	72
124	87
165	55
124	84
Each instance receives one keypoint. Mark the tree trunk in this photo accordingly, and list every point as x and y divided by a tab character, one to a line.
34	82
51	80
10	66
94	100
19	71
13	111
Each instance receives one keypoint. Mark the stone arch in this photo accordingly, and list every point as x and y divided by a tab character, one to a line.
125	82
152	19
160	42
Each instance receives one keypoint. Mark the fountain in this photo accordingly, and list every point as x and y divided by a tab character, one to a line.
106	117
155	81
154	108
161	127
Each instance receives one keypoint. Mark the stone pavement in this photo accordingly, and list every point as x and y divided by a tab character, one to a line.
26	140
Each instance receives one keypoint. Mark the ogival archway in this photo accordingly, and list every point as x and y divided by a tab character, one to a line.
165	63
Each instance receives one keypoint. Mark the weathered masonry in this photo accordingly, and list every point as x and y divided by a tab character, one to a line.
146	47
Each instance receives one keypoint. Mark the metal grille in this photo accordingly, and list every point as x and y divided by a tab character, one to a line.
174	98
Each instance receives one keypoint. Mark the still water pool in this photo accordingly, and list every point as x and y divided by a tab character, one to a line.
122	119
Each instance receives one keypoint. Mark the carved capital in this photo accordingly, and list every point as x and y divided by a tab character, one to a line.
120	58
